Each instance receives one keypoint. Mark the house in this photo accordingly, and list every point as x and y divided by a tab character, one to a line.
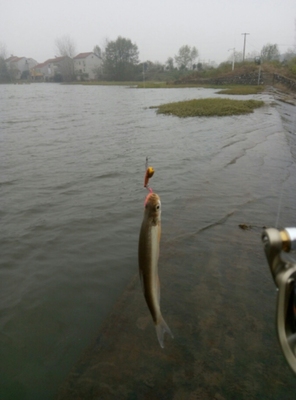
58	69
19	67
44	70
86	66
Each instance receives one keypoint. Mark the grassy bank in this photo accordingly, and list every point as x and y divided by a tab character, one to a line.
135	84
209	107
229	89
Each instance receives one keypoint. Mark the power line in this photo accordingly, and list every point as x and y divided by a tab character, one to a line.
245	34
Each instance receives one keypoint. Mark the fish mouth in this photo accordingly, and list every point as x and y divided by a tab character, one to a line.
152	198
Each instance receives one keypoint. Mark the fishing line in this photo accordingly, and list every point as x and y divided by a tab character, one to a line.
279	206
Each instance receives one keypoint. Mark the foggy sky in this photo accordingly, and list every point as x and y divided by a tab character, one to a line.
158	27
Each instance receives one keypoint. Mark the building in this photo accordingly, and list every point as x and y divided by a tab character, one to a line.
87	65
19	67
58	69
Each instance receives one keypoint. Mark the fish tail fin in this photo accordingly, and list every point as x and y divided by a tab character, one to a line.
162	327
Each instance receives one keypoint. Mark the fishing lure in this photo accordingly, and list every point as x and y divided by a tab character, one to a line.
148	175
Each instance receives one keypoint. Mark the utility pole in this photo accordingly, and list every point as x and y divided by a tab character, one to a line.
245	34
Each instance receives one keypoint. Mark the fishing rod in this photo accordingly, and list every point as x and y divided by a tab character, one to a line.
278	246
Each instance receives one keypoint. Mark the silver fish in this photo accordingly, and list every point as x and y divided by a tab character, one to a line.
148	253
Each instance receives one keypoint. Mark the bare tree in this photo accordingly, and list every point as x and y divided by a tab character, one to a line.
97	50
237	56
3	51
4	72
65	46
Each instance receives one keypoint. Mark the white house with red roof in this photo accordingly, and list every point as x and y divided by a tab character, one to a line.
54	69
86	66
19	67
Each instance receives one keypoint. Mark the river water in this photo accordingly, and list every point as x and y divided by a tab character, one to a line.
72	168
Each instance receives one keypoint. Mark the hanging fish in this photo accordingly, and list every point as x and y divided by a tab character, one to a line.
148	253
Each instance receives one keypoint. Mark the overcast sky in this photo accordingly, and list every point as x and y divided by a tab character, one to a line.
158	27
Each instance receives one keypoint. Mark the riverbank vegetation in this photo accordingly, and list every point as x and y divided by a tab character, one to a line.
120	64
224	89
209	107
230	89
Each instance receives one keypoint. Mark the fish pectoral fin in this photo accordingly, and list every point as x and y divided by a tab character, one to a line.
162	327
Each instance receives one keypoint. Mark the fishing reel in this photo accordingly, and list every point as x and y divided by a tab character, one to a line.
279	247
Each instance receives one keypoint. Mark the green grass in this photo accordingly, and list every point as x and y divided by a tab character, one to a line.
242	89
103	83
225	89
238	89
209	107
137	84
172	85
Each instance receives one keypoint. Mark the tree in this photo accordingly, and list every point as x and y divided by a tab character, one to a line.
97	50
120	60
252	55
289	55
186	56
193	54
292	66
170	64
238	57
3	51
65	46
4	73
270	52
